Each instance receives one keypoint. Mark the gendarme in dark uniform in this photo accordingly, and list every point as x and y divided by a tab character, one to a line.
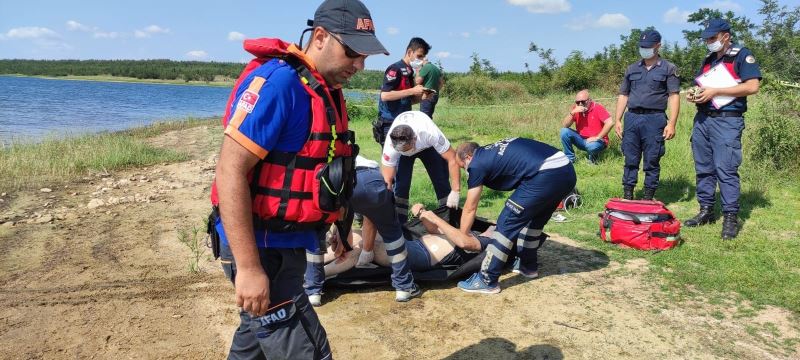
646	90
717	132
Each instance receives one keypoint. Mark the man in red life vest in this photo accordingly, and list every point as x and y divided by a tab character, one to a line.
286	120
717	132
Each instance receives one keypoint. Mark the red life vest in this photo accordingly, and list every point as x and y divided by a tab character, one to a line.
285	185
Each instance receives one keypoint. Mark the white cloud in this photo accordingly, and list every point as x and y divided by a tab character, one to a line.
676	16
105	35
543	6
73	25
723	5
465	35
150	31
31	32
197	54
392	30
235	36
488	30
42	37
443	54
615	20
587	21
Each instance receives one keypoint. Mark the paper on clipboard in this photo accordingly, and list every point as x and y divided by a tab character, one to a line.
718	77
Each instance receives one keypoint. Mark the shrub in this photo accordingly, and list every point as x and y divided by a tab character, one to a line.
483	90
777	125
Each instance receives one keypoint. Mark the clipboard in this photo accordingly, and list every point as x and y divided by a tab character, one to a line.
718	77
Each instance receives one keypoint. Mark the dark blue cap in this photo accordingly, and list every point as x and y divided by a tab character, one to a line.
649	38
714	27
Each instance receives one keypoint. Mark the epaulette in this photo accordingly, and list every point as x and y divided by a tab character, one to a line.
733	51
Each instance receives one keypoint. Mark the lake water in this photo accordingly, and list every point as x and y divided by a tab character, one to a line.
31	108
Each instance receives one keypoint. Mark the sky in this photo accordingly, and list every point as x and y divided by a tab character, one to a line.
498	30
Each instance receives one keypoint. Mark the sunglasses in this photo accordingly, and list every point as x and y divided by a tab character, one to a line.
581	102
350	53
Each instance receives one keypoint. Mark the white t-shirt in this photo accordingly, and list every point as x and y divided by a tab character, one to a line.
427	133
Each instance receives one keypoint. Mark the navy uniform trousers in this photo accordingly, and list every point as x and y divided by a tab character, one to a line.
643	141
372	199
523	218
295	332
435	165
717	151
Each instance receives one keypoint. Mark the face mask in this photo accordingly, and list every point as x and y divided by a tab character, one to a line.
715	46
416	63
647	53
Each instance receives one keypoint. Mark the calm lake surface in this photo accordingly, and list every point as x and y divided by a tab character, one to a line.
32	108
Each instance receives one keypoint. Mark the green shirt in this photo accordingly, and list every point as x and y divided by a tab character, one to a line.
431	75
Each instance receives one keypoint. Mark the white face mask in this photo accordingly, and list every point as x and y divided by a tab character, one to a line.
416	63
647	53
715	46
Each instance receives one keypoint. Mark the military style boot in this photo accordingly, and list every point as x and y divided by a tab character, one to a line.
649	193
730	226
705	216
627	192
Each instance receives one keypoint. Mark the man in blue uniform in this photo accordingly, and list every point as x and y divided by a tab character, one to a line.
272	114
647	87
398	91
375	201
540	176
717	132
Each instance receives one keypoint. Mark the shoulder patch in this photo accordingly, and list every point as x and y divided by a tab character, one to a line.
750	59
247	101
391	75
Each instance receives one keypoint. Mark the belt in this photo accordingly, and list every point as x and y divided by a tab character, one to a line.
645	111
723	113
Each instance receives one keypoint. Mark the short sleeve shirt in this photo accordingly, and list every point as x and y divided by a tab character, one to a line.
649	89
271	113
398	76
745	67
591	123
427	133
431	76
505	164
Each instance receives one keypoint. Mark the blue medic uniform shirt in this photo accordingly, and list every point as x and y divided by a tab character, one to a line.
398	76
649	89
271	112
745	67
505	164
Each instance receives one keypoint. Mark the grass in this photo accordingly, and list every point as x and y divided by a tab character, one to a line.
53	160
761	265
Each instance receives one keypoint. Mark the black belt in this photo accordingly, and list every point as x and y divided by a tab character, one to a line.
723	113
645	111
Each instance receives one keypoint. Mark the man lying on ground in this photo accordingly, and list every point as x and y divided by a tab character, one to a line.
445	245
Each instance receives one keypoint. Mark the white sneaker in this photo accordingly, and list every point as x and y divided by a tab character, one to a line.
406	295
315	300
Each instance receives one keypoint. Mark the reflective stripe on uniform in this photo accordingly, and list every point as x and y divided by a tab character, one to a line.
394	245
529	244
502	240
401	201
394	259
314	258
494	251
530	232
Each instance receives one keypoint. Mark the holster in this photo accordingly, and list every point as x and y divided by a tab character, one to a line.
211	230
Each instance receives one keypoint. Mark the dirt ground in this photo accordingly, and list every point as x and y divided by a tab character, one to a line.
95	269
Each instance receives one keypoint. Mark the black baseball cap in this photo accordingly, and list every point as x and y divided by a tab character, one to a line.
350	19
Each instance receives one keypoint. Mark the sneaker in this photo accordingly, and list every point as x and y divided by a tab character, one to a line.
406	295
475	284
315	300
530	274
